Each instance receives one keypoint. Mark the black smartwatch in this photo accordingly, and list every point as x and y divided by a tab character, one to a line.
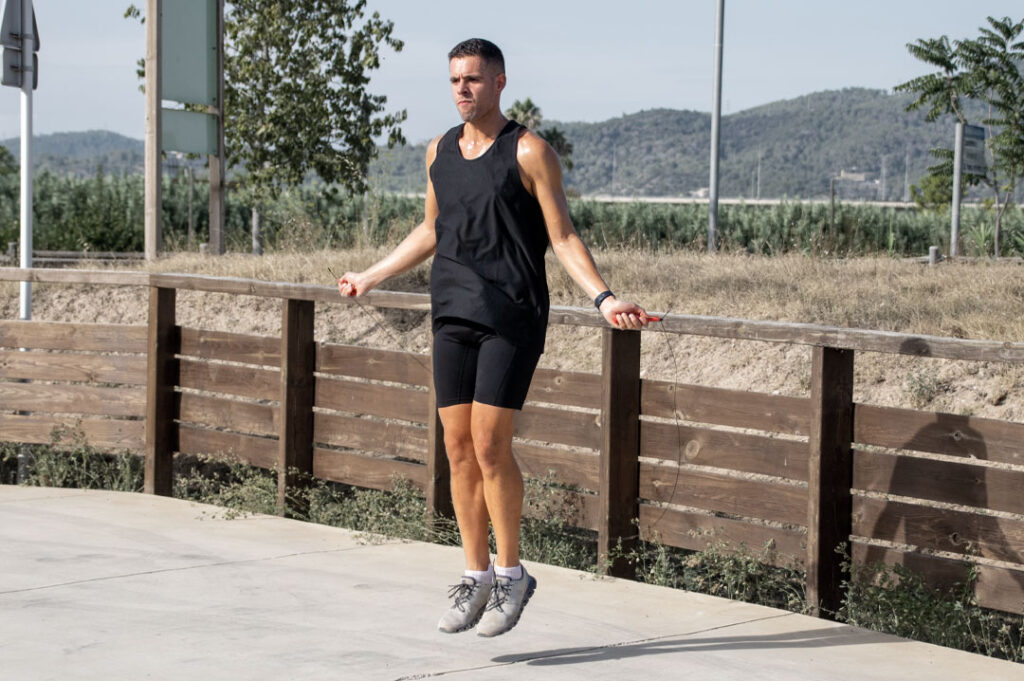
600	298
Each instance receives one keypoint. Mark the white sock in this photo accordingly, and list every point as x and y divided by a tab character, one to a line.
513	573
482	576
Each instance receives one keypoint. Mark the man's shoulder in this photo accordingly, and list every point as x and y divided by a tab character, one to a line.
533	151
432	148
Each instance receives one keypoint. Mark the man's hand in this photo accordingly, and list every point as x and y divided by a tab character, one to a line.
354	284
623	315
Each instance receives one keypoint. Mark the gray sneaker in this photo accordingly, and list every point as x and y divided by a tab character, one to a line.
470	602
508	598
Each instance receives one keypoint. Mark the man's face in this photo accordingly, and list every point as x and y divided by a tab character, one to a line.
476	87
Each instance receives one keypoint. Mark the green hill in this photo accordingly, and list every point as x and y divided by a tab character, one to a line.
81	153
802	143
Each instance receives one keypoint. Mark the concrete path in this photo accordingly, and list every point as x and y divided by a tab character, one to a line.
106	585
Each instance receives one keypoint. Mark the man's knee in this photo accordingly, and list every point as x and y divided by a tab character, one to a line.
460	450
492	454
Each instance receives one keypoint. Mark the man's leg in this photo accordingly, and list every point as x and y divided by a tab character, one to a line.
503	493
502	482
471	595
467	484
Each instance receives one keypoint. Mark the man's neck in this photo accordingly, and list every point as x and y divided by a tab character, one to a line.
484	130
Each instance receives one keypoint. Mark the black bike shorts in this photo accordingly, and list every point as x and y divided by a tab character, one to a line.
473	363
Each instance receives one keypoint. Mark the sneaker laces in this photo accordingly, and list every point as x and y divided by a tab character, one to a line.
462	592
500	595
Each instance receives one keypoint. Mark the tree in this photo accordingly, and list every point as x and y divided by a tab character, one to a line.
296	100
987	69
527	113
935	192
8	164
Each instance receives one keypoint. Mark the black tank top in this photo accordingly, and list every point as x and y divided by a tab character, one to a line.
491	240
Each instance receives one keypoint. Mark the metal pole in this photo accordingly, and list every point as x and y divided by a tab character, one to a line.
27	77
716	115
217	161
153	178
191	215
958	162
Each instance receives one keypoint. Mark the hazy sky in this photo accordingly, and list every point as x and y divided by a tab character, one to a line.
585	60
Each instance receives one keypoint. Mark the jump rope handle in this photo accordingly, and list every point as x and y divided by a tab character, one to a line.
337	279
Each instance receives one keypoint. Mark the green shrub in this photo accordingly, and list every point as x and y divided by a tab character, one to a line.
105	213
68	462
733	572
897	600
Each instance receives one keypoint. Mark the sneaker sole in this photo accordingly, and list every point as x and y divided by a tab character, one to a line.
530	587
467	627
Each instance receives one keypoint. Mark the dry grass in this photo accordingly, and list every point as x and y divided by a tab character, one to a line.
977	300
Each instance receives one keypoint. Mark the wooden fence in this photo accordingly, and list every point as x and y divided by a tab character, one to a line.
689	464
60	258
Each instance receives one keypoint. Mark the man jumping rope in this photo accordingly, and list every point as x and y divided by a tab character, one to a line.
494	201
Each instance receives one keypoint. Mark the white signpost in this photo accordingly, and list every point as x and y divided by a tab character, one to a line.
20	38
184	64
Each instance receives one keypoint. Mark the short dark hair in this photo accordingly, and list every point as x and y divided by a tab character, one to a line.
478	47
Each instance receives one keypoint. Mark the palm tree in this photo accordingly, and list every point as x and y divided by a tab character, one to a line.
526	113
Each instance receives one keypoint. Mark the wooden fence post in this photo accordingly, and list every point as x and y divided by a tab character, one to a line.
439	485
161	405
295	426
830	477
620	447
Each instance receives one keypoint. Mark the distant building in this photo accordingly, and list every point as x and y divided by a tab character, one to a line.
853	176
701	193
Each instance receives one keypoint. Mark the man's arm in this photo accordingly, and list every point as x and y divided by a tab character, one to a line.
414	249
542	176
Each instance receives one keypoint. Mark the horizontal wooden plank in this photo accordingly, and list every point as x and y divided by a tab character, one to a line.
723	494
75	276
559	426
380	365
232	347
964	484
998	588
66	366
720	327
112	435
701	404
812	334
365	471
256	451
724	449
939	529
260	384
218	412
567	467
937	433
696	532
67	336
276	289
374	399
566	387
371	435
68	398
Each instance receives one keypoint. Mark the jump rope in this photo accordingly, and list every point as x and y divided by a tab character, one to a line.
382	323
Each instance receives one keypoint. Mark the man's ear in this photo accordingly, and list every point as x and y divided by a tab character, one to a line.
500	81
